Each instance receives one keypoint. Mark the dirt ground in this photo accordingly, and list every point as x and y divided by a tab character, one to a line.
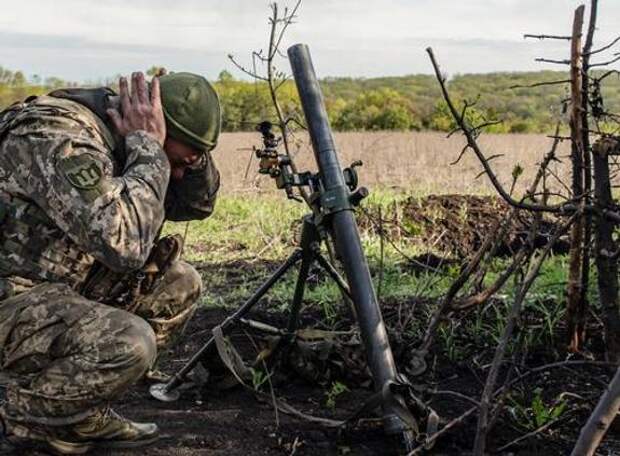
237	423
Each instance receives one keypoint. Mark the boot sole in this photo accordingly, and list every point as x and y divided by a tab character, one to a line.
63	447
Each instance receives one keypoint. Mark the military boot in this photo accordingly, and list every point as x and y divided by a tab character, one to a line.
104	429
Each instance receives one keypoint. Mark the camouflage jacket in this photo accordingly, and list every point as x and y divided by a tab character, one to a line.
72	193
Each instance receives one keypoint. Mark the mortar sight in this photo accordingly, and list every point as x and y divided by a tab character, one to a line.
265	128
281	167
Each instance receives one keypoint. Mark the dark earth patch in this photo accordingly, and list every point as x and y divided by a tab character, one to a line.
235	422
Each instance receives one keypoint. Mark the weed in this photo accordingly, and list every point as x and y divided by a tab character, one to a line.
537	413
332	394
259	377
447	336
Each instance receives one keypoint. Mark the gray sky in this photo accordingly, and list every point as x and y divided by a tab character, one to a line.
91	39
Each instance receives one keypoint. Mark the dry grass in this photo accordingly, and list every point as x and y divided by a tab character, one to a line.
418	162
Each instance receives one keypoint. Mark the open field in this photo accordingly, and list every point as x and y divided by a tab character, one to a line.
417	162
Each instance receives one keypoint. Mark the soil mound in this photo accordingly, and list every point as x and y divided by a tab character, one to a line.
454	225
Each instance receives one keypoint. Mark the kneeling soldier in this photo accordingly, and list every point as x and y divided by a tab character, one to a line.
87	179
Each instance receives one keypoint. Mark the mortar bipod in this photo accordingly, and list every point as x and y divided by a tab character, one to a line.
308	253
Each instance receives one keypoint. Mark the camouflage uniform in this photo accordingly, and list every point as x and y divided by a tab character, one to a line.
72	194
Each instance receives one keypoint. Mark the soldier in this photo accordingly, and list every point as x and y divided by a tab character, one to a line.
87	179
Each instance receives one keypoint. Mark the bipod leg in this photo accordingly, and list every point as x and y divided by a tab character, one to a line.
300	288
333	273
310	240
167	392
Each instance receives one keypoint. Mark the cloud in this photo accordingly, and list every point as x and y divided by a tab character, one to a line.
82	39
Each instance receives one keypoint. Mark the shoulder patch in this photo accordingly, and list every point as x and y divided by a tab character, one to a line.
82	171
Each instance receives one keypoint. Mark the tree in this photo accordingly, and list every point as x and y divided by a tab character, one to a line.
155	71
225	77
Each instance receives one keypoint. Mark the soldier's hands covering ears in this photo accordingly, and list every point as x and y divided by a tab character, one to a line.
139	110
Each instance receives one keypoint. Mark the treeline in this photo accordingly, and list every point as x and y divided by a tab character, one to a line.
15	86
390	103
415	102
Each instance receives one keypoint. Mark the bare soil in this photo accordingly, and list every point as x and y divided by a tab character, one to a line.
235	422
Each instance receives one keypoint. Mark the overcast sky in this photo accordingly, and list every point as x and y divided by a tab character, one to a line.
91	39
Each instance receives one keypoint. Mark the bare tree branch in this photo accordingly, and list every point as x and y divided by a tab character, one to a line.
546	37
250	73
556	62
567	208
539	84
604	48
609	62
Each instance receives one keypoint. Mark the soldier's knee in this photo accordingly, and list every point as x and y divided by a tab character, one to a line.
184	278
139	338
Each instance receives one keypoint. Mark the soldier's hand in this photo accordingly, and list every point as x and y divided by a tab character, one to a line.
140	111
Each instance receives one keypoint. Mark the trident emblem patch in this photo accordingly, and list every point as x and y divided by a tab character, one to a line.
82	171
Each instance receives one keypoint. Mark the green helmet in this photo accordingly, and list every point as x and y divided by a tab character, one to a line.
192	110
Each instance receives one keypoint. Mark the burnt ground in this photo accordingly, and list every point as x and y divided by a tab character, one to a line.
235	422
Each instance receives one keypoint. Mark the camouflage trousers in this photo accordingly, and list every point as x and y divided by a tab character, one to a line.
65	356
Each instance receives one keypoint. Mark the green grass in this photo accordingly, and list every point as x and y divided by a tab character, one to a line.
242	227
259	229
249	235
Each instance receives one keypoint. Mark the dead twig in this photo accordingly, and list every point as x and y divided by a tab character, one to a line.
539	84
605	412
546	37
556	62
608	62
604	48
433	438
456	394
531	434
